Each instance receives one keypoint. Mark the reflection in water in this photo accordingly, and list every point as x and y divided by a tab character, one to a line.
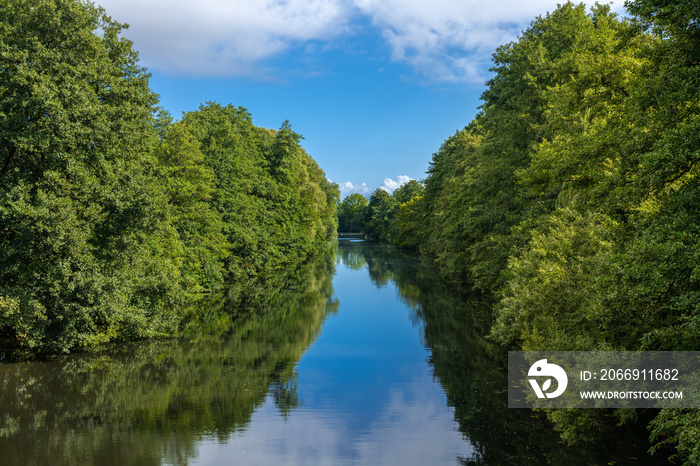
151	403
366	360
473	371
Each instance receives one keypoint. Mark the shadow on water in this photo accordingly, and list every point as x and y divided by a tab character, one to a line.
473	370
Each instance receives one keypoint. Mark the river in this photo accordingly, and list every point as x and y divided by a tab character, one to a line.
365	358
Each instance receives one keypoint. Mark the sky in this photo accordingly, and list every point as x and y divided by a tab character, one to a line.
374	86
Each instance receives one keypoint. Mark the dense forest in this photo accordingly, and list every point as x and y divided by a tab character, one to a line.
112	215
573	197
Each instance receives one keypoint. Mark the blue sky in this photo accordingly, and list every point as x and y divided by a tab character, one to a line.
373	86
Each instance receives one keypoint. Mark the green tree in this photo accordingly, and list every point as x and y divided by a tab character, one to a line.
110	214
449	232
406	222
408	191
351	213
378	217
275	202
86	250
407	226
614	267
189	187
383	219
660	272
476	181
283	154
573	195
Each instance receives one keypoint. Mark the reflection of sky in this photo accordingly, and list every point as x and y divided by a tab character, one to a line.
366	391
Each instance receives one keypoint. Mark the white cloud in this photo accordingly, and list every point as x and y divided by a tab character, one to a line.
223	37
348	188
443	40
414	427
452	40
390	185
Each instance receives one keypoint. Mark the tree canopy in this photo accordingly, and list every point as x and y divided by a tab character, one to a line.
351	213
112	216
572	197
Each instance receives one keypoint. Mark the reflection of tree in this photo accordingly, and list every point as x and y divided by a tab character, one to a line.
285	395
381	259
149	403
351	253
473	371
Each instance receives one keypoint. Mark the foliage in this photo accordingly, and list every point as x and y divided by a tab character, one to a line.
276	205
390	218
547	304
351	213
110	218
87	253
449	234
572	197
189	188
407	192
407	224
378	217
679	428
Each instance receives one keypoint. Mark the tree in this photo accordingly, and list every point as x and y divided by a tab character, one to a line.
382	219
405	229
189	187
407	226
275	202
111	215
86	251
573	196
408	191
351	213
614	265
378	217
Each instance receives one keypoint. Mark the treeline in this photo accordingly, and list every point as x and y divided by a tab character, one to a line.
111	215
389	218
573	197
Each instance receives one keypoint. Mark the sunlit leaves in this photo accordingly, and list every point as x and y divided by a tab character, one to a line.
379	214
573	195
276	205
110	218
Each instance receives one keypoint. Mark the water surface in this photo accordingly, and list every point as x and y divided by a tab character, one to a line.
366	358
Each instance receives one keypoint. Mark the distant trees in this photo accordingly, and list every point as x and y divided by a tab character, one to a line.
385	217
111	217
378	217
351	213
386	211
406	220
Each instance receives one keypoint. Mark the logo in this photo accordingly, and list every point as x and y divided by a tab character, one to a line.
543	369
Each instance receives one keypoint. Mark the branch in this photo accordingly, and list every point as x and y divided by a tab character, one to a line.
8	162
683	172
